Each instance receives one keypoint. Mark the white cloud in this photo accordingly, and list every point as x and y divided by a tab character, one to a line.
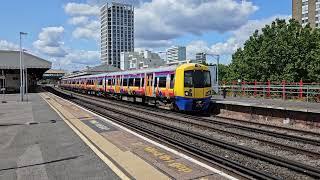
76	9
79	20
169	19
85	20
50	42
152	44
6	45
236	40
77	59
82	57
90	30
166	20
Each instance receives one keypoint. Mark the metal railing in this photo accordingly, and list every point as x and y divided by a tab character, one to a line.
309	92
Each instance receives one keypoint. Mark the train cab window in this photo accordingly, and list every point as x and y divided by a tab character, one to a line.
125	82
137	82
171	81
201	79
162	82
207	79
188	80
130	81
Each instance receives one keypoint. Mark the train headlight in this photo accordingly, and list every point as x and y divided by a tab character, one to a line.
208	93
188	93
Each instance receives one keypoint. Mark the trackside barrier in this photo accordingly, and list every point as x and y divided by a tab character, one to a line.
309	92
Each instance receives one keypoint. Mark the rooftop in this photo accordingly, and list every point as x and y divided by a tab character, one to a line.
11	60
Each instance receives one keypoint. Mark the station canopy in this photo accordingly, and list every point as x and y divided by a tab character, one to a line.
11	60
10	63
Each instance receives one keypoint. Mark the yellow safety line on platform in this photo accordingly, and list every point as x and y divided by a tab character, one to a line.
134	165
106	160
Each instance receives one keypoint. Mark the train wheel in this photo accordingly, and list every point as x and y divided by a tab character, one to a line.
175	107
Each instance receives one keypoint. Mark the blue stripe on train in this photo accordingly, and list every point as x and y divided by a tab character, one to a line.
189	104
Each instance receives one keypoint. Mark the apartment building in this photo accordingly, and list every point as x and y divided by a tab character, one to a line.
117	32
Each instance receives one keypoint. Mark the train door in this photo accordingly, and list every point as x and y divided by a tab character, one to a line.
149	85
118	85
198	85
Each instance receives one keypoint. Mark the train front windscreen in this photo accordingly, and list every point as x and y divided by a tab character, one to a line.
197	79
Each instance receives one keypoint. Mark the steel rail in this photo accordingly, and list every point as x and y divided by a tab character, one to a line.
298	167
238	126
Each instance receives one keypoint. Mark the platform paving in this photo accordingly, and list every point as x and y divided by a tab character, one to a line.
35	143
270	103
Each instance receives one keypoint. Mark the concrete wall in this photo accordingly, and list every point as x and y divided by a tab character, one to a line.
13	82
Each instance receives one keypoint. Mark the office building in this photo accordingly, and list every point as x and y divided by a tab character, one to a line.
306	11
117	32
176	53
140	60
201	58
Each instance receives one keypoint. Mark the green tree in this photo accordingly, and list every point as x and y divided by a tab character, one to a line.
281	51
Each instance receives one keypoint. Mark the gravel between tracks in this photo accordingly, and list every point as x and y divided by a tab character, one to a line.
263	127
247	161
254	144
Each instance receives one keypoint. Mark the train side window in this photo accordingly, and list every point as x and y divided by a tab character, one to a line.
137	82
100	82
142	82
125	82
162	82
188	82
171	81
130	81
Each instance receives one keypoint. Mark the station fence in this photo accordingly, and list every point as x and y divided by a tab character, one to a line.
309	92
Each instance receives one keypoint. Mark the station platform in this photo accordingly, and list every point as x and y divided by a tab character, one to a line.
51	138
35	143
277	104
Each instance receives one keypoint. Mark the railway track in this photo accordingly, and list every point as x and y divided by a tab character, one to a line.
209	124
98	107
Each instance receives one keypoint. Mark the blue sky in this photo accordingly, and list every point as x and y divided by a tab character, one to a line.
66	32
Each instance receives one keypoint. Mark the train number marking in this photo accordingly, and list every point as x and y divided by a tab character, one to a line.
99	125
167	159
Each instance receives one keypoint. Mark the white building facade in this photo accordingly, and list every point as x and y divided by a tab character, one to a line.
176	53
140	60
117	31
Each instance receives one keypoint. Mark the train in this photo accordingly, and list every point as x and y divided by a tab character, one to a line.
185	87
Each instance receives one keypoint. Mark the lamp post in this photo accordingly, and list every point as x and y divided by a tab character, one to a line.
217	56
25	76
21	68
